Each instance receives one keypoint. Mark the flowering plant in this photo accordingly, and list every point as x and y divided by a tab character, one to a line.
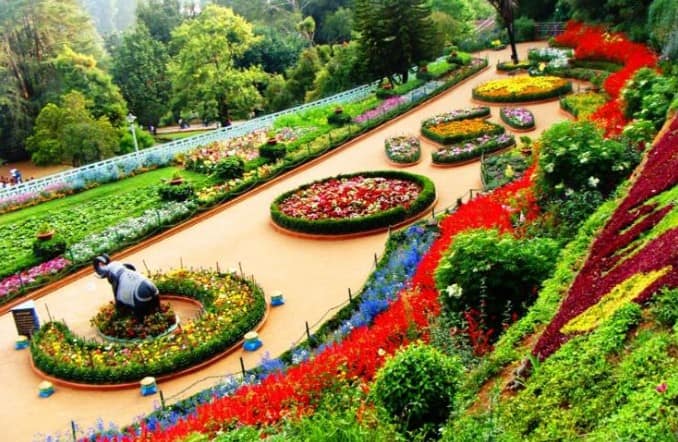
403	149
472	148
458	130
386	106
14	284
205	158
232	307
522	88
457	115
119	322
517	117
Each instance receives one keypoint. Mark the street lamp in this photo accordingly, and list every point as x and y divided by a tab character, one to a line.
130	119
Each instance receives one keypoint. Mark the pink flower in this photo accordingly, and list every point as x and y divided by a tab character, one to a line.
661	388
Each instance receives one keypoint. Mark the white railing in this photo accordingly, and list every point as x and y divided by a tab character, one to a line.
168	150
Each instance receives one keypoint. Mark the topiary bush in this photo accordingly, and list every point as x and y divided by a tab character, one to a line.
172	192
338	118
230	168
50	248
272	152
417	385
493	273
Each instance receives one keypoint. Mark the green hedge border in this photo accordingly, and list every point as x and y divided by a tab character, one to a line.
520	98
379	220
508	66
455	138
170	365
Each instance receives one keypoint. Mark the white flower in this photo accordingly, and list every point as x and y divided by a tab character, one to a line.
593	181
454	291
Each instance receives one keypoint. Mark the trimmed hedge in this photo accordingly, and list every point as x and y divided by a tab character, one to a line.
509	66
379	220
496	129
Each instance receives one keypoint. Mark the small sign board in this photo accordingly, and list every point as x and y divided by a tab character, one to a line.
26	318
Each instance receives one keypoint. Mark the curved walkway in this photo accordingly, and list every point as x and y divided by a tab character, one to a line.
314	275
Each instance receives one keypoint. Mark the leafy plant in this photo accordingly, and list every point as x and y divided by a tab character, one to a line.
176	192
230	168
665	307
272	152
50	248
417	385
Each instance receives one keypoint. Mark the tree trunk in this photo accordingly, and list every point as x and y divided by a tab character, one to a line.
512	41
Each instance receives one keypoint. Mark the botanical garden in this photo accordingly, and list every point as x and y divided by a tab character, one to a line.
443	220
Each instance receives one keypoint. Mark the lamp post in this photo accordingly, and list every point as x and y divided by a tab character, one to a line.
130	119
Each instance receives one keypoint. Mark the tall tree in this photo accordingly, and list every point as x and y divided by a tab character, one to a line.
160	17
394	35
204	73
506	10
32	32
628	16
140	70
68	134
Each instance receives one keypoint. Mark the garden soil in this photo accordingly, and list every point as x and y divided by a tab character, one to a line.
314	275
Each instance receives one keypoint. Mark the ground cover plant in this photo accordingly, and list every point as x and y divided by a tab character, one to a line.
471	149
232	307
522	88
403	149
583	104
352	203
502	168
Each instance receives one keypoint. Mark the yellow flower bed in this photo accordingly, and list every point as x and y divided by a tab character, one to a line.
463	127
522	88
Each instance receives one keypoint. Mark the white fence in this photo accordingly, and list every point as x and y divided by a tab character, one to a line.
168	150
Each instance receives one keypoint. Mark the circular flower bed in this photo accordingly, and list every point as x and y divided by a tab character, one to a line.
353	203
517	117
522	88
455	131
232	307
120	323
461	153
403	149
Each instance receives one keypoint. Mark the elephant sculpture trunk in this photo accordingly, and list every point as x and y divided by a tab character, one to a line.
130	288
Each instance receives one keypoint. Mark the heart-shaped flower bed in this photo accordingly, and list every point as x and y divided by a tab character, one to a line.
517	117
359	202
522	88
232	306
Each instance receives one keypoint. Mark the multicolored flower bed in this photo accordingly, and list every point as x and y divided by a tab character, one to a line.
385	107
15	284
120	323
357	202
634	255
205	158
232	307
459	130
517	117
471	149
403	149
522	88
457	115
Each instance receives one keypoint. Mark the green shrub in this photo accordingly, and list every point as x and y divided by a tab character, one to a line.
525	29
575	157
665	307
648	96
417	386
499	271
176	192
230	168
384	93
338	118
50	248
272	152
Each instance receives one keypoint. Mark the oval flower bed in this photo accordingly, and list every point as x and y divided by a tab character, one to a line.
457	115
232	307
472	149
352	203
455	131
403	149
522	88
517	117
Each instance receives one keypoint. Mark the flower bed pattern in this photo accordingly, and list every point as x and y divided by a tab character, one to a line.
232	307
353	203
403	149
639	239
456	115
522	88
517	117
460	130
457	153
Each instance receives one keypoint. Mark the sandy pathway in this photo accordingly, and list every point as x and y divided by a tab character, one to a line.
314	275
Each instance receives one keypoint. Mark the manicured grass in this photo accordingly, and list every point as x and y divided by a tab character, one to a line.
171	136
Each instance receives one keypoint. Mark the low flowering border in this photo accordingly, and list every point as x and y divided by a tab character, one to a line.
232	307
522	88
403	150
518	118
348	224
643	228
16	284
457	154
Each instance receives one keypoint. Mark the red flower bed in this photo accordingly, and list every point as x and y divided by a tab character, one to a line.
604	269
358	357
593	43
349	198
